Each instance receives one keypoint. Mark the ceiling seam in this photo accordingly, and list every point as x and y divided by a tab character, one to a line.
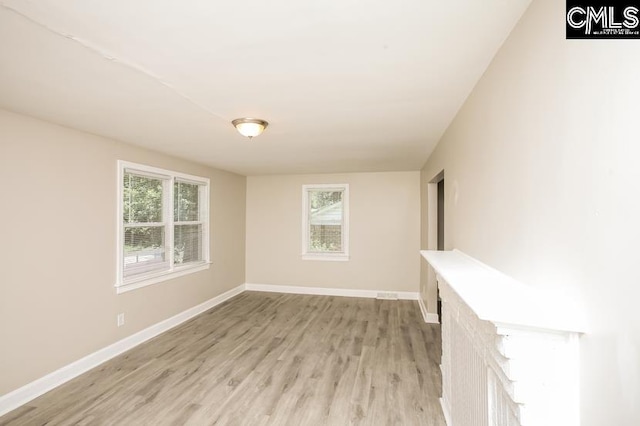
104	54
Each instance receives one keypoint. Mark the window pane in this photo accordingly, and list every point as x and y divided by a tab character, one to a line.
325	221
142	199
188	243
144	250
325	238
185	202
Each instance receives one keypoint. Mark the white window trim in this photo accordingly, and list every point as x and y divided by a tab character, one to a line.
334	256
123	285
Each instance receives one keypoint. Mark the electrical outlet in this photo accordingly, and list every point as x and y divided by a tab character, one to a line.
120	320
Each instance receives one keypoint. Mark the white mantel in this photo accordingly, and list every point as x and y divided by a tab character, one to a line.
510	351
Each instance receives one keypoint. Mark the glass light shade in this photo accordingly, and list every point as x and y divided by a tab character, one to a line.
249	127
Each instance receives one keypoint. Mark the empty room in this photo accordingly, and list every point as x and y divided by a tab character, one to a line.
319	213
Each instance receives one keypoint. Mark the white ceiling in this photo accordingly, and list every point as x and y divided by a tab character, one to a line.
346	85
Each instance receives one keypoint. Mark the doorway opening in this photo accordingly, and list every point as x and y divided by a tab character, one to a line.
440	227
436	232
441	214
440	234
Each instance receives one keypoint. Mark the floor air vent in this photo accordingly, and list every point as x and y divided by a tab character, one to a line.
387	296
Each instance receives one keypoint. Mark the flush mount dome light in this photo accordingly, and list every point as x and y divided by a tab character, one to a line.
249	127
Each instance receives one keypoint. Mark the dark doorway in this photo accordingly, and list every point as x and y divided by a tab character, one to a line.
440	233
441	215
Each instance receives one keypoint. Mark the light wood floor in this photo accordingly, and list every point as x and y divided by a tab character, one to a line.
265	359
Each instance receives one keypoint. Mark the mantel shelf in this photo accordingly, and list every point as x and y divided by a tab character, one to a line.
500	299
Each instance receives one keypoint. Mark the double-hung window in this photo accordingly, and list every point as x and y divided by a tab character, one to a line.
325	222
163	219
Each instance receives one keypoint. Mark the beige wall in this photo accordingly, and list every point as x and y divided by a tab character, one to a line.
542	173
384	232
58	255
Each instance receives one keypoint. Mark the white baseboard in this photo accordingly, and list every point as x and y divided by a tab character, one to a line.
324	291
445	411
30	391
429	318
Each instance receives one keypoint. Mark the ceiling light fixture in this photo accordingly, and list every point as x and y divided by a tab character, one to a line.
249	127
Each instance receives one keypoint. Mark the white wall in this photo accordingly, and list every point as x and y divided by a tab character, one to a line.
58	247
384	232
542	174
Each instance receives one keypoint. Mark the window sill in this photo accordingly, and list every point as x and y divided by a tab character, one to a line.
139	282
327	257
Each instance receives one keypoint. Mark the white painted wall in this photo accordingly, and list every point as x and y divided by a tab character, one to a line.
384	232
542	173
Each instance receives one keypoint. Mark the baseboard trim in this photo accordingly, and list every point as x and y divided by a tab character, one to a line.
38	387
325	291
445	411
30	391
428	317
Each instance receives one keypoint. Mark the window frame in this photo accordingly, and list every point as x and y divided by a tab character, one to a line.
169	177
306	223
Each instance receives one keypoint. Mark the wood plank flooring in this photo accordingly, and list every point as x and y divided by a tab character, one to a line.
265	359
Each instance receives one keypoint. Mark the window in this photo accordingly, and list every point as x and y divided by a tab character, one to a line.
325	221
163	219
